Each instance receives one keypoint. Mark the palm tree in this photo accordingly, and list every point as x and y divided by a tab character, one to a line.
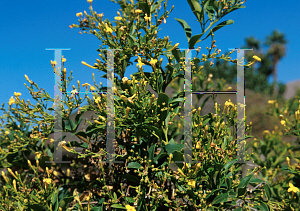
277	50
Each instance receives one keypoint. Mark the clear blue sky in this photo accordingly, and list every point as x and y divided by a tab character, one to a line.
29	27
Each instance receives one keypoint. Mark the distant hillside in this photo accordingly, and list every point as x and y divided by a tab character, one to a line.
291	89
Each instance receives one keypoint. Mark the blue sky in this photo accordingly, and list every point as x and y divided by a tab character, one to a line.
28	28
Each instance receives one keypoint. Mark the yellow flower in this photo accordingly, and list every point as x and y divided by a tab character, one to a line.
97	100
38	155
47	181
124	80
293	188
266	132
108	30
192	183
74	91
282	122
271	101
17	94
7	132
79	14
130	208
153	62
147	18
138	11
117	18
92	88
140	63
100	15
54	62
89	1
256	58
198	146
63	60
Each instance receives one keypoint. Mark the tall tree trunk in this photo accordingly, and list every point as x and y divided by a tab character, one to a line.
275	91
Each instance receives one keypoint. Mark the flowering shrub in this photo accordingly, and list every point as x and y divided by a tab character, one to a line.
149	177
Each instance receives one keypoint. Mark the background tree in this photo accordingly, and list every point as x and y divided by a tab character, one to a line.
277	50
256	76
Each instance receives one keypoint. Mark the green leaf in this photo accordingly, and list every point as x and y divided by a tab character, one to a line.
134	165
177	55
78	119
178	156
194	40
171	148
209	10
118	206
245	181
180	73
268	191
65	202
229	164
231	194
217	27
242	191
35	207
168	118
130	177
151	152
77	144
255	180
155	5
146	7
162	98
187	29
157	131
161	154
220	198
205	121
180	100
196	8
263	207
228	181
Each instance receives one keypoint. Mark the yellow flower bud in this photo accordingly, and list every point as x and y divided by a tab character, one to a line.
180	171
198	146
4	177
152	98
12	173
174	47
127	111
15	184
288	161
206	128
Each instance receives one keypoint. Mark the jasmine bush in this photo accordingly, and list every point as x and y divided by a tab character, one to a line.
146	129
